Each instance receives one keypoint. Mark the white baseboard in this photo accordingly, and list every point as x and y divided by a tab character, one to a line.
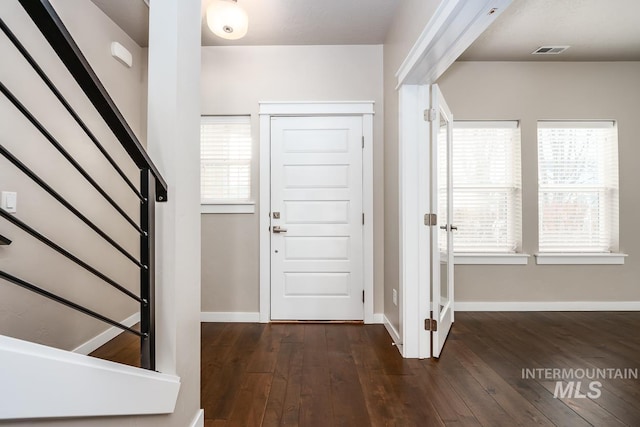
198	420
232	317
254	317
395	336
548	306
378	319
103	338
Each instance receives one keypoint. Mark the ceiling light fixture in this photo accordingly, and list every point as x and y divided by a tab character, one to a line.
227	20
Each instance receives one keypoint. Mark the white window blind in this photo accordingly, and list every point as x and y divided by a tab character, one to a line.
578	186
487	188
225	159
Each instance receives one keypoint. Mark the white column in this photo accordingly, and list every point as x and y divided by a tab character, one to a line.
174	145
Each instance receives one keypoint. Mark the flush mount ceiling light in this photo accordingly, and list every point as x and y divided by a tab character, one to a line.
227	20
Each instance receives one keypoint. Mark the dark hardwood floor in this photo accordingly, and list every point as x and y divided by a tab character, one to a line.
351	375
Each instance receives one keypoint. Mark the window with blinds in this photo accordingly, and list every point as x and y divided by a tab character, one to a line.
578	186
487	189
225	159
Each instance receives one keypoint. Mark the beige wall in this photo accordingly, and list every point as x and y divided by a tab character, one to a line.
23	314
234	80
535	91
411	19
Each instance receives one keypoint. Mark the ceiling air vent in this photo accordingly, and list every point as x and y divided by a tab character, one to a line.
550	50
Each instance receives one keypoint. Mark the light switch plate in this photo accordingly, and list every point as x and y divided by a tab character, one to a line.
9	201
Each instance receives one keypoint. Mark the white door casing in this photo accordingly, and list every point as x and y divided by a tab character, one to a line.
316	218
442	273
320	187
420	254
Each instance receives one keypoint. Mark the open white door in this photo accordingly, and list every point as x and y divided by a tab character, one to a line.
441	235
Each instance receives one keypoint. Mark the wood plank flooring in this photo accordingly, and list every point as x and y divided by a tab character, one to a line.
351	375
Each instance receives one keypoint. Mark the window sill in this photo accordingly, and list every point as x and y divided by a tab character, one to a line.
490	259
228	208
580	258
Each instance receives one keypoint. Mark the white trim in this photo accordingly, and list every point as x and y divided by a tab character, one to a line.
548	306
351	108
106	336
450	31
490	259
486	124
395	336
231	317
421	188
46	382
228	208
422	46
198	420
414	274
312	108
576	124
265	220
367	208
580	258
254	317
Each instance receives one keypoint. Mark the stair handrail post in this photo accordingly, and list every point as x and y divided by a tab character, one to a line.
147	273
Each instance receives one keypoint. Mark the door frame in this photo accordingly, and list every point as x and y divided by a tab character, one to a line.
415	248
268	110
452	28
438	337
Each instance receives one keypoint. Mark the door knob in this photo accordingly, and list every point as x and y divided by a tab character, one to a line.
277	229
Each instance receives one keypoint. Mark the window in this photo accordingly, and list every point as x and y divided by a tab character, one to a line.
578	186
487	190
225	159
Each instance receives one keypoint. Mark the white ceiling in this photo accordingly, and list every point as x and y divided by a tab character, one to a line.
596	30
279	22
311	22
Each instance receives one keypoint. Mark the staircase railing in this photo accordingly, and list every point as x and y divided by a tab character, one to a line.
151	187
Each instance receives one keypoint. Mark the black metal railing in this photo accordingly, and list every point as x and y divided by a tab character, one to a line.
151	189
4	241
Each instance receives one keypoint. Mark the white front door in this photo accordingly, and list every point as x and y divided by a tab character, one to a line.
316	218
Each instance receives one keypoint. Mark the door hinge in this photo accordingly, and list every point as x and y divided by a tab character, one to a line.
430	219
363	297
362	141
429	114
430	325
363	219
